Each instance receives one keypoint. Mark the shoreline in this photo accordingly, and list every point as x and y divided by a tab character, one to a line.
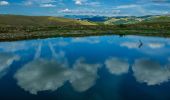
4	37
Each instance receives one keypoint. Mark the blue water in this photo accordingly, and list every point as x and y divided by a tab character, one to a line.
88	68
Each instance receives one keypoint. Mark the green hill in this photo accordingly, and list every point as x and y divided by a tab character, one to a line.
19	20
158	19
15	27
126	20
136	20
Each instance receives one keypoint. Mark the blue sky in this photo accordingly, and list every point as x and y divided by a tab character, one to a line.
85	7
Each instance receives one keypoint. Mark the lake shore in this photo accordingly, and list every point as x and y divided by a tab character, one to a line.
18	27
78	33
13	33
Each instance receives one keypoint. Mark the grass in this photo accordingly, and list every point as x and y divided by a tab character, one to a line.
31	27
38	21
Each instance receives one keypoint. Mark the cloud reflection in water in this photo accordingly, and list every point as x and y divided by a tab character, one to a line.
117	66
150	72
84	75
42	74
50	74
6	60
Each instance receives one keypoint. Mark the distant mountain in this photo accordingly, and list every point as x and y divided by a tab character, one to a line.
78	16
96	19
88	18
19	20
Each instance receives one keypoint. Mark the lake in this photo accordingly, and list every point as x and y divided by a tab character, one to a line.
86	68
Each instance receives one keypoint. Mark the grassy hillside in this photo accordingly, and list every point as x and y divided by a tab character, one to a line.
158	19
136	20
14	27
127	20
18	20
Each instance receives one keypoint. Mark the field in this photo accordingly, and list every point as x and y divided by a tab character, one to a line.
15	27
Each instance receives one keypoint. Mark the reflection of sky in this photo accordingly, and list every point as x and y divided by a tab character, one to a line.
87	65
151	72
5	62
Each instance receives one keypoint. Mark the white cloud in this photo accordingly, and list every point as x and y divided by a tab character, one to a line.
4	3
15	46
66	10
117	66
87	3
42	75
47	5
156	45
150	72
126	6
78	2
41	3
5	62
84	75
89	11
130	45
92	40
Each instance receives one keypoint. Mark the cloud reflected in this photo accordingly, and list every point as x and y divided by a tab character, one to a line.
169	59
135	45
84	75
6	60
14	46
156	45
91	40
44	74
150	72
130	45
41	75
117	66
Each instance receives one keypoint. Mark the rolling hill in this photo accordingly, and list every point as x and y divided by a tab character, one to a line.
126	20
18	27
19	20
136	20
158	19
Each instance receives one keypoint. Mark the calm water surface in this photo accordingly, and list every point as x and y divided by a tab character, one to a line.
89	68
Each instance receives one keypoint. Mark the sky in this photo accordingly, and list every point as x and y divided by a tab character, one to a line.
85	7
